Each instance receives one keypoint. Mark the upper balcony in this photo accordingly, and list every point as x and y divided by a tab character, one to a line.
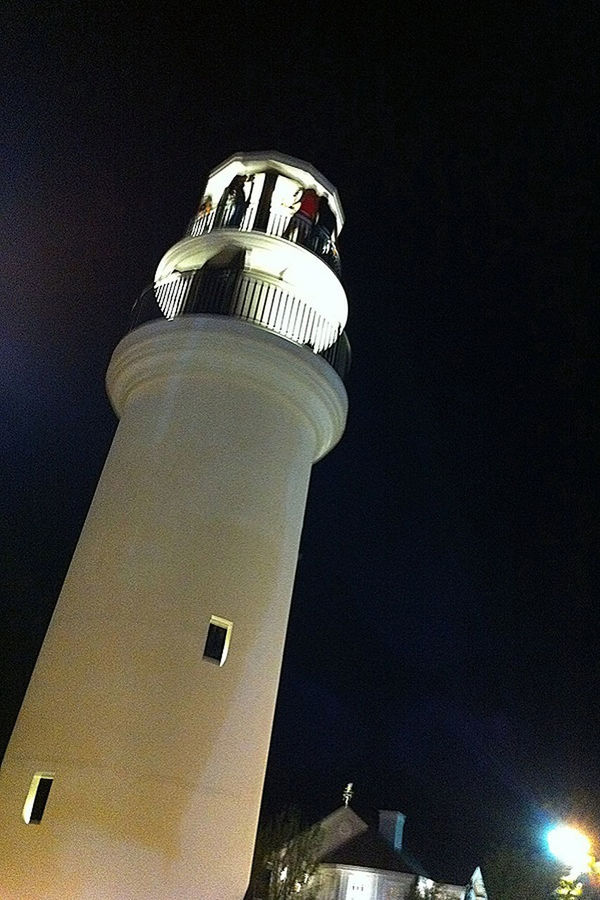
277	225
276	195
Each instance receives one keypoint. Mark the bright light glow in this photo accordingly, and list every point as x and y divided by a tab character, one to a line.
570	847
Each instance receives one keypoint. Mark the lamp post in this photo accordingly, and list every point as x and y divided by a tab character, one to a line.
572	848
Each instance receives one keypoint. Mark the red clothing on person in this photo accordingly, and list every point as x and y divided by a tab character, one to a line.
309	204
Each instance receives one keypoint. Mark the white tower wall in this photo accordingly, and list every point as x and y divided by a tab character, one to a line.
158	755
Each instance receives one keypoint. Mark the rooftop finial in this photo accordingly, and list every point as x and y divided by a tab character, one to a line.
348	793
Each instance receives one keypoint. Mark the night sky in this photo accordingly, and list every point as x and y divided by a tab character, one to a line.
443	642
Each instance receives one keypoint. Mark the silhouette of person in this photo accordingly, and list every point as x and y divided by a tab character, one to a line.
232	205
302	221
203	217
324	230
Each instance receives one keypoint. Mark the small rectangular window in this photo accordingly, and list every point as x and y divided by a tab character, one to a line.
217	640
35	804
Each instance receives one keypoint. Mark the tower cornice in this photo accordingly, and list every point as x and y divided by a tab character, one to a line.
213	347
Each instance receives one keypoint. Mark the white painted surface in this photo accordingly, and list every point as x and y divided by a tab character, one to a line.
159	756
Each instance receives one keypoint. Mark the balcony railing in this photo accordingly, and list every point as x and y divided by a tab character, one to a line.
284	226
235	293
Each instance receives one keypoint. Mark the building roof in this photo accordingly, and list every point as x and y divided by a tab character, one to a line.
370	851
348	841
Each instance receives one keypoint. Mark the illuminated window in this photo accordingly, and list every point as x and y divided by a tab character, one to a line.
35	804
217	640
360	886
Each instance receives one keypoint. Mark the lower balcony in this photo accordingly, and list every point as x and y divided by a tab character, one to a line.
231	292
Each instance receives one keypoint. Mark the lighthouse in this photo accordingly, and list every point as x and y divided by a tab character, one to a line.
136	765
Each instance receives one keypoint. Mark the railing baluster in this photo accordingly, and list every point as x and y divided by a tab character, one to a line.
297	304
254	298
302	319
316	336
279	299
169	299
242	298
288	309
271	299
289	305
261	302
179	296
309	326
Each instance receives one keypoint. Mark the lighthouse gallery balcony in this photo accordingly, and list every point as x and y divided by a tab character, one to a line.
227	292
303	233
262	248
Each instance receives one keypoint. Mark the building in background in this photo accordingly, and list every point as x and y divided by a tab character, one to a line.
359	863
136	765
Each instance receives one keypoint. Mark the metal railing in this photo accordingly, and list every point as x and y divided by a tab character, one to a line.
236	293
289	227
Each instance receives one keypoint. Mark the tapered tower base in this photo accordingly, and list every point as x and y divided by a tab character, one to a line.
157	752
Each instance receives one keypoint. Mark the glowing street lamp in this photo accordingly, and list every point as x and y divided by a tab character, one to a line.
570	847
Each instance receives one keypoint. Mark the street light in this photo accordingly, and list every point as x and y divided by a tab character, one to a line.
572	848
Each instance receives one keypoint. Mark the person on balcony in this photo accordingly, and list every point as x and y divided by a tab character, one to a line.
214	288
201	222
324	229
301	223
231	208
205	207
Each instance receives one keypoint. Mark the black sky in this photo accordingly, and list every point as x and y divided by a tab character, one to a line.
443	642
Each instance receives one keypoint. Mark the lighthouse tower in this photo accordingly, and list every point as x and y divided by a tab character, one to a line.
136	766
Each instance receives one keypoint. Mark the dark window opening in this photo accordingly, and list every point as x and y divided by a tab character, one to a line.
217	640
40	798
